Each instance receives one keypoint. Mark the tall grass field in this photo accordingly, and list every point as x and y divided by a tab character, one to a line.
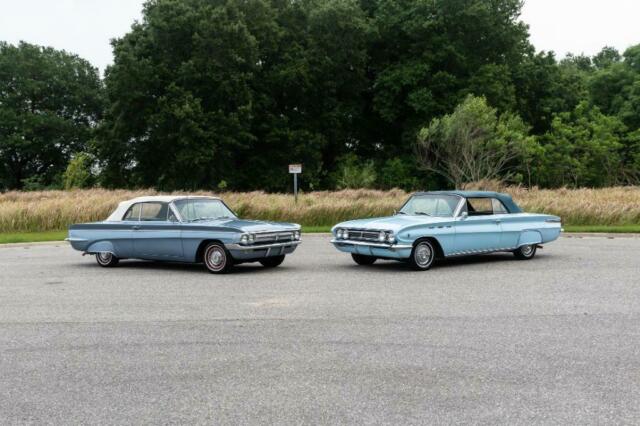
56	210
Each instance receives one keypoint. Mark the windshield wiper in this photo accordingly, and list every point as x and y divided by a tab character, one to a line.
422	213
401	212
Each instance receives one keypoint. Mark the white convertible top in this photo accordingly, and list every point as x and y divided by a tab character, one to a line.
122	208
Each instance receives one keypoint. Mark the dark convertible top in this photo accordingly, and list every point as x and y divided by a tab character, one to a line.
505	198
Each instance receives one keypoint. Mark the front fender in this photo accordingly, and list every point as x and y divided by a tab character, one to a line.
101	246
443	233
529	237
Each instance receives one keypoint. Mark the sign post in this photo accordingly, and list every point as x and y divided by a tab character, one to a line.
295	169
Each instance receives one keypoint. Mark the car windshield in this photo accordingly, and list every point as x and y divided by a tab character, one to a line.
202	209
431	205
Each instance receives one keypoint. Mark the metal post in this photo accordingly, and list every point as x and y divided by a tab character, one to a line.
295	186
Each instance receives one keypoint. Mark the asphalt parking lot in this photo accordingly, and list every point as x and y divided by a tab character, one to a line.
321	340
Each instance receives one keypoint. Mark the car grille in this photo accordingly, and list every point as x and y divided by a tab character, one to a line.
274	237
360	235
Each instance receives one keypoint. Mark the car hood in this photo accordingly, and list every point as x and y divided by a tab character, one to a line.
245	225
391	223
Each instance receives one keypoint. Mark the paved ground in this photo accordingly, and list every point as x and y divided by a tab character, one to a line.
321	340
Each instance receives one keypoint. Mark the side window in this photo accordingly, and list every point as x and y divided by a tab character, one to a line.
133	213
154	212
498	207
479	206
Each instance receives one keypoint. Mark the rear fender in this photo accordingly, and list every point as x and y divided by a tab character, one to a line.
101	246
529	237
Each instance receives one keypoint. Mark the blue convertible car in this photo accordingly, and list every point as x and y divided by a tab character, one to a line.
440	224
184	229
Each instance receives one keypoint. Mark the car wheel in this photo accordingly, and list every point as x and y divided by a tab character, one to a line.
361	259
106	259
422	256
216	259
272	262
526	252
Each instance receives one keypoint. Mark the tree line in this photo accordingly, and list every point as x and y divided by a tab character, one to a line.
222	94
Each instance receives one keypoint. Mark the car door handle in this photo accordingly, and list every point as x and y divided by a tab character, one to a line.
135	227
498	221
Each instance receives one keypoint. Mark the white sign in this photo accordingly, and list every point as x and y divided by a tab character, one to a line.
295	168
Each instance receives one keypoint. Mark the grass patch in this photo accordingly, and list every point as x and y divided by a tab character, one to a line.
32	237
612	229
316	229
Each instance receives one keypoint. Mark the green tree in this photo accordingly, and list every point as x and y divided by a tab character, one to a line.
473	143
203	91
50	103
79	173
423	64
586	148
353	174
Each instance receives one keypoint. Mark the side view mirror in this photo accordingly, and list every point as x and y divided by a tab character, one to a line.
464	215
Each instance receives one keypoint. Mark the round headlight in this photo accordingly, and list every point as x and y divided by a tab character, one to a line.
382	236
391	238
244	239
345	234
252	238
296	235
339	233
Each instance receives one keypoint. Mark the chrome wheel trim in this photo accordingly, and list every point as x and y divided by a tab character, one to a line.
526	251
423	255
104	257
215	258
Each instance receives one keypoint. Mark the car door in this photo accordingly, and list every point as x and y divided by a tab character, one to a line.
157	234
477	228
510	225
124	238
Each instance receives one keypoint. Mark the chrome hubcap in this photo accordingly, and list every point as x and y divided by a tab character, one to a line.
526	250
104	257
216	258
423	254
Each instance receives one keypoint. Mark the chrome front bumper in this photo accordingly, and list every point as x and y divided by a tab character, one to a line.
247	248
392	247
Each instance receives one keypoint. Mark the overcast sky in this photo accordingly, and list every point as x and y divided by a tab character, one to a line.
85	27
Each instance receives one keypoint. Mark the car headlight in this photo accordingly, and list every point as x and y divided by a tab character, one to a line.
252	238
244	239
339	233
382	236
391	238
345	234
296	235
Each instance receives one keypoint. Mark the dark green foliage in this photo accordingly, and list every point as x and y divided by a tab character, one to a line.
49	104
222	94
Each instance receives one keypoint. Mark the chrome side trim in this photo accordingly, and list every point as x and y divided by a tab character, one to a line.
492	250
553	220
76	240
368	244
261	246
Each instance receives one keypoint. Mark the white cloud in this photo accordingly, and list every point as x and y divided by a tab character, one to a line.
83	27
582	26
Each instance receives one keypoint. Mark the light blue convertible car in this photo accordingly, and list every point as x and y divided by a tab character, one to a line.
184	229
440	224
